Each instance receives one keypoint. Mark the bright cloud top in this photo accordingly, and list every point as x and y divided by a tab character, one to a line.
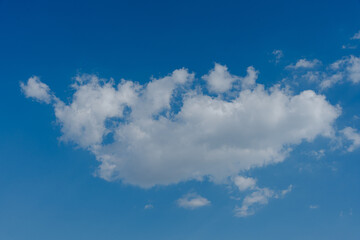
353	136
258	198
244	183
255	196
219	80
192	201
36	89
169	130
303	63
346	69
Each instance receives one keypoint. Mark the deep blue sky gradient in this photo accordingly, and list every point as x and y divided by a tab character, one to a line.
47	190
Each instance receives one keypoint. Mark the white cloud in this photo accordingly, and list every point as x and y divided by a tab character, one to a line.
349	46
329	80
318	154
343	70
356	36
34	88
352	135
219	80
168	130
285	191
353	69
303	63
94	102
192	201
250	79
148	206
244	183
278	55
253	201
314	206
349	67
258	197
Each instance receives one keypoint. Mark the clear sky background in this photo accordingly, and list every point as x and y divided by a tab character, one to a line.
48	187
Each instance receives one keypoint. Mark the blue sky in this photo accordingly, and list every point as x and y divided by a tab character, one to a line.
223	120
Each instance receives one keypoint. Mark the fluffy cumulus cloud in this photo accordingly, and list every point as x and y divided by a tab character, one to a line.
252	201
169	130
256	196
34	88
303	63
192	201
353	136
346	69
244	183
219	80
